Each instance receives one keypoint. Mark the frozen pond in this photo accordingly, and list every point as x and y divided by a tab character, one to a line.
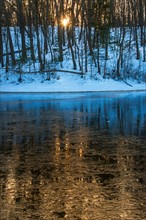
77	156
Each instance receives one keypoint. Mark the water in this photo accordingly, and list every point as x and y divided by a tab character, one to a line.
73	156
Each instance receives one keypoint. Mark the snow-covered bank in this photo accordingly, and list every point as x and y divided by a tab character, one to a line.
66	82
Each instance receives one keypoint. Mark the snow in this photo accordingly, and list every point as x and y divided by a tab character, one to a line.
92	81
65	82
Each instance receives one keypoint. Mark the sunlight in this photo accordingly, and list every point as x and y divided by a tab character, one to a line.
65	21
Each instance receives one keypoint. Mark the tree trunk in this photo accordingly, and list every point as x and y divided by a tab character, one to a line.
11	47
71	48
1	47
1	38
21	23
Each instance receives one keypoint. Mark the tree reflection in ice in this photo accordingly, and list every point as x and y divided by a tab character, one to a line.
83	158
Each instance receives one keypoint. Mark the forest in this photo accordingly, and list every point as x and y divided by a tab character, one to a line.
104	36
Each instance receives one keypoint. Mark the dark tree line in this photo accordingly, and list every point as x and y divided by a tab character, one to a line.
32	29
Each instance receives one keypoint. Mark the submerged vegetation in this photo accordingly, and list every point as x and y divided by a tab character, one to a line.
107	37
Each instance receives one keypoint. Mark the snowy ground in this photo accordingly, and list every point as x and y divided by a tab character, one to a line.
65	82
91	81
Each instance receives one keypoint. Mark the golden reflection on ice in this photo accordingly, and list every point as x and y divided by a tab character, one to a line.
71	164
57	147
11	187
73	188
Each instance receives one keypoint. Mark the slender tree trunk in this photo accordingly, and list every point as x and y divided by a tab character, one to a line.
21	23
7	55
1	47
85	49
71	48
1	37
137	44
98	54
11	47
39	48
31	31
60	42
144	46
120	58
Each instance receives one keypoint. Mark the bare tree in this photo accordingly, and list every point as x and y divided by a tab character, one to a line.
1	37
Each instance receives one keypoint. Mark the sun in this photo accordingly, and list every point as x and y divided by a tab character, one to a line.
65	21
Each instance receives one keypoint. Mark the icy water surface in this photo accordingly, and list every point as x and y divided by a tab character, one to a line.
73	156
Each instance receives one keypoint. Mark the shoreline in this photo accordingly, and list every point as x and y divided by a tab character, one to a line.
68	83
51	92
